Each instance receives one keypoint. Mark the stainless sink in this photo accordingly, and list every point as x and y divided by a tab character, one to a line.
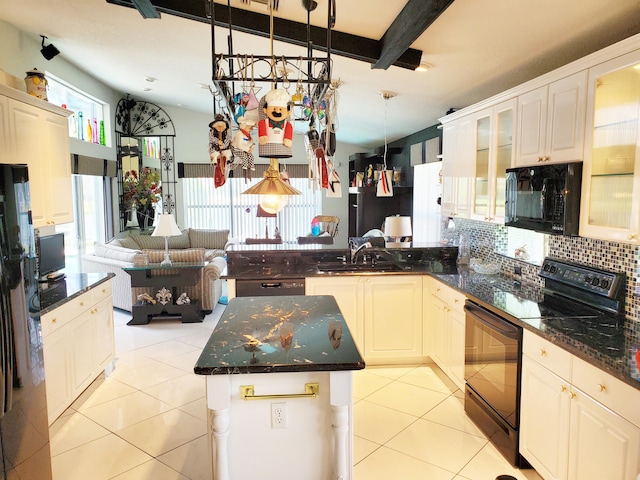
357	268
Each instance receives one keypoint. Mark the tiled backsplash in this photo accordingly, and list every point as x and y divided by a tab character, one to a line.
617	257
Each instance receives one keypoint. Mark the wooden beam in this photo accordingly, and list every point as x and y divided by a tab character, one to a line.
343	44
146	8
413	20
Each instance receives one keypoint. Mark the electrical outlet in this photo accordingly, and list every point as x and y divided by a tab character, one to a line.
279	415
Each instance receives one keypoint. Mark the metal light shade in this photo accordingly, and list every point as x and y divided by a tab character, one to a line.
395	228
166	227
271	184
272	189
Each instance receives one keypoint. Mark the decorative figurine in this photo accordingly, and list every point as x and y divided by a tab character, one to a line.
183	299
275	131
146	299
164	296
242	147
219	148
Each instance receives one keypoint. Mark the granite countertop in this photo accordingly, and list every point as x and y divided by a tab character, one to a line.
54	294
280	334
610	342
282	263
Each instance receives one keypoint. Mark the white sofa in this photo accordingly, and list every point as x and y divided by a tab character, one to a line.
193	245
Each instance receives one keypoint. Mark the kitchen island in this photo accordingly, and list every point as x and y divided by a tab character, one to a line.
279	389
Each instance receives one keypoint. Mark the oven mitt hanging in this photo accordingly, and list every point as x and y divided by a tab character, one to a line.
384	187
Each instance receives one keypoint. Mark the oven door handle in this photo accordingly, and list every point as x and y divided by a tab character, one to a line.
492	321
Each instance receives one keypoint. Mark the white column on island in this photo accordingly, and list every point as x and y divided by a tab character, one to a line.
218	405
340	400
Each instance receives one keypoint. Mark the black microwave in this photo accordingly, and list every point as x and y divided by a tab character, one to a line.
544	198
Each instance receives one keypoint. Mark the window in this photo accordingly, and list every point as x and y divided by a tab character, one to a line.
90	199
89	113
225	207
527	245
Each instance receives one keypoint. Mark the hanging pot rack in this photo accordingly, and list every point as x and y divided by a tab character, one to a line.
232	68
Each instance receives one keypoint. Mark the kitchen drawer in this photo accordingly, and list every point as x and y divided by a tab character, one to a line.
102	291
547	354
607	390
64	313
449	295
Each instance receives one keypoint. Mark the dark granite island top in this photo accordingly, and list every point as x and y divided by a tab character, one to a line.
253	332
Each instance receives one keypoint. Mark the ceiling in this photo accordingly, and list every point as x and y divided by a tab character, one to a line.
476	49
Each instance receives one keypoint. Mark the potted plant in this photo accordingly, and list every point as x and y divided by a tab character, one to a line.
141	191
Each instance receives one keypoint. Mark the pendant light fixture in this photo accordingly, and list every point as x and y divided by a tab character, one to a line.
272	189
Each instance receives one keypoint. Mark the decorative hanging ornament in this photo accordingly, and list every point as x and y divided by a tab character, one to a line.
308	108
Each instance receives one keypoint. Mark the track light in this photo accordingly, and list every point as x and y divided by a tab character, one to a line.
48	51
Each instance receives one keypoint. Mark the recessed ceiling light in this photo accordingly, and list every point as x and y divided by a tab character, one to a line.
146	89
204	86
423	67
150	79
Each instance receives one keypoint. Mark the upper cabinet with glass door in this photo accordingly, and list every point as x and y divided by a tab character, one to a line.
611	176
493	155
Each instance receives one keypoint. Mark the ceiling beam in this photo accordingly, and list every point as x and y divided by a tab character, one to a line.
146	8
343	44
411	22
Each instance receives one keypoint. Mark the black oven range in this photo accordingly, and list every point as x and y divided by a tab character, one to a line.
578	301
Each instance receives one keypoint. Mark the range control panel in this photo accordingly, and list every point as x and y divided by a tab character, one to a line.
593	280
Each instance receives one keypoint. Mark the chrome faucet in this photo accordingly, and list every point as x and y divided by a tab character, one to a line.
355	252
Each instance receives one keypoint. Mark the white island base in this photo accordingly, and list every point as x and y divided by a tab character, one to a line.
315	444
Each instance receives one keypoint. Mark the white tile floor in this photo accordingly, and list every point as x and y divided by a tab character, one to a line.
147	419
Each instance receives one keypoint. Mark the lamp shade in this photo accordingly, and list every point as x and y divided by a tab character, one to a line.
395	228
166	227
271	184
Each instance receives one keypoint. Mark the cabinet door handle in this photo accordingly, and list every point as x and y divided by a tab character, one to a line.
572	395
543	352
540	159
563	388
601	387
631	236
54	320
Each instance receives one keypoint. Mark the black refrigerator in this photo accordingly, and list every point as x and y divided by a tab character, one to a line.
24	430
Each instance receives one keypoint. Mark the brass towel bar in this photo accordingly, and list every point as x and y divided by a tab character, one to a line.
311	390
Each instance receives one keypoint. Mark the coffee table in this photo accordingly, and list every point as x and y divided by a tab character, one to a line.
170	278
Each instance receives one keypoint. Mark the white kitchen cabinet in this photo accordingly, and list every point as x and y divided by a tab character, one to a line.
77	346
383	312
444	334
392	318
551	121
7	153
494	153
349	294
577	422
457	167
39	137
610	209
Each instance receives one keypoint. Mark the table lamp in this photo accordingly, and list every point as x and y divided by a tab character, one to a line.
395	229
167	227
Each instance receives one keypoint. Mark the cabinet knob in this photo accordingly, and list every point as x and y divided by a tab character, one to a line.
54	320
543	352
572	395
563	388
601	387
631	236
540	159
546	158
455	300
82	304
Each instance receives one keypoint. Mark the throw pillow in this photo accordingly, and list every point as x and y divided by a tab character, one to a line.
127	242
150	242
185	255
211	239
114	252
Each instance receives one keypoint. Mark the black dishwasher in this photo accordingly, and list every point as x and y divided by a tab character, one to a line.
269	288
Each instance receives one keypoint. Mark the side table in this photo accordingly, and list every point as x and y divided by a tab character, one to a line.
157	276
